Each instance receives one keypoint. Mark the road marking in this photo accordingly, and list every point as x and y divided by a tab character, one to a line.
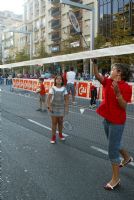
27	96
106	153
46	127
130	117
100	150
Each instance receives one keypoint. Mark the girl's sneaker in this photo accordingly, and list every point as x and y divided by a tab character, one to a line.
61	137
53	139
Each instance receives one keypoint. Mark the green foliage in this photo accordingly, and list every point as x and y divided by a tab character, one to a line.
66	45
22	56
10	59
121	33
41	53
100	41
67	49
129	59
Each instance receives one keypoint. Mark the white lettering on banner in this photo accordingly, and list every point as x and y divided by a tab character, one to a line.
82	90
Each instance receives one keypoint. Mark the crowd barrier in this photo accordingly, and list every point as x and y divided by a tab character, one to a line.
82	87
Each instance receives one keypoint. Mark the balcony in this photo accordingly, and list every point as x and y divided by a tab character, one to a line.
55	3
55	36
55	12
36	40
78	14
55	24
72	31
42	25
42	38
36	29
55	48
77	1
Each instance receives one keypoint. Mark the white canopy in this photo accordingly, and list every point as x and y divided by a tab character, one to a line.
111	51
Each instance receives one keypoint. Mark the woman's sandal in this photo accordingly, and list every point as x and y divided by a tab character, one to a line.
124	164
108	186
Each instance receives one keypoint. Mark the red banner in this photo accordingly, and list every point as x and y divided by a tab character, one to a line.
82	88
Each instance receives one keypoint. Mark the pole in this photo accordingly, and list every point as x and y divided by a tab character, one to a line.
30	35
86	7
31	49
92	40
3	54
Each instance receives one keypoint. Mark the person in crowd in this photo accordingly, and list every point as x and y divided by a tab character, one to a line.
70	83
42	95
78	76
65	77
47	75
117	93
94	89
57	106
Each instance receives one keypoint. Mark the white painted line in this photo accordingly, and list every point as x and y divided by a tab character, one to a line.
130	117
100	150
106	153
46	127
27	96
37	123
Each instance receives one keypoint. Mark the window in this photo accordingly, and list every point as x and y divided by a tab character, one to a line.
101	2
126	1
115	6
101	11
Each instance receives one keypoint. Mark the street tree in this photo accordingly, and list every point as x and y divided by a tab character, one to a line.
22	56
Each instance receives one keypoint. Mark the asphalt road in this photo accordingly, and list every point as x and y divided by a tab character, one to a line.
34	169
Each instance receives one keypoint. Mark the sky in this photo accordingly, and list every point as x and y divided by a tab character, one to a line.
15	6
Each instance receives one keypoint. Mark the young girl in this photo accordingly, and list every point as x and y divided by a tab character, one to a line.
117	93
57	106
42	95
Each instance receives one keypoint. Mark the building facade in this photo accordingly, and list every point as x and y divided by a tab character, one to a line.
51	27
8	41
108	9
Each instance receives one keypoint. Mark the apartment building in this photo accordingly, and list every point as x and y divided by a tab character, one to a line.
8	41
50	24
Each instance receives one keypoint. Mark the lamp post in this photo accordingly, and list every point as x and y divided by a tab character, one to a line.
91	9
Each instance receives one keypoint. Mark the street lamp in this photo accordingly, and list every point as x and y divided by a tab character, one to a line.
85	7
